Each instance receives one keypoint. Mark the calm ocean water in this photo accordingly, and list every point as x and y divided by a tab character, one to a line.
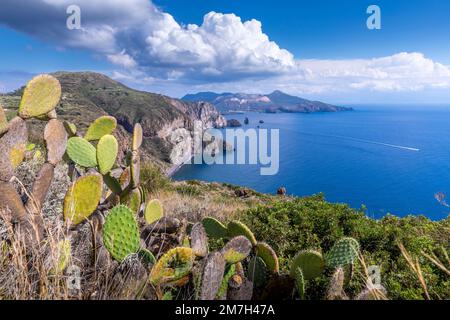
354	157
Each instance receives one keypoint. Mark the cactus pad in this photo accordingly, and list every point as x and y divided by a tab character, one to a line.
137	137
310	262
265	252
132	199
236	250
12	147
335	289
64	255
3	121
17	154
135	169
147	256
214	228
257	272
199	240
41	95
82	198
55	137
153	211
237	228
107	150
344	252
300	283
82	152
71	128
100	127
172	266
121	233
229	273
212	276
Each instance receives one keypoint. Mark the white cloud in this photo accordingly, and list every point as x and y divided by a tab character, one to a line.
150	48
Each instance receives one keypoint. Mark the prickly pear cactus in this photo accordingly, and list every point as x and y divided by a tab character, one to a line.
71	128
132	199
237	228
100	127
300	283
107	150
121	233
236	250
135	169
82	198
344	252
12	147
82	152
41	96
214	228
137	137
55	137
199	240
172	266
335	289
257	272
229	273
310	262
265	252
64	255
147	256
212	276
153	211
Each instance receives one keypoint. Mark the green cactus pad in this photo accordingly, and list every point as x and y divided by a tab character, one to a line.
236	250
82	198
107	150
100	127
132	199
153	211
121	233
173	265
300	283
3	121
237	228
41	95
257	272
230	271
147	256
137	137
311	262
344	252
214	228
265	252
82	152
64	255
113	184
71	128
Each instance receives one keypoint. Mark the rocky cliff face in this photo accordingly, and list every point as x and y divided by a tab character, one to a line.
87	96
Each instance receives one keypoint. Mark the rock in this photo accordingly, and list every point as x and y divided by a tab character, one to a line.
281	191
233	123
242	193
163	225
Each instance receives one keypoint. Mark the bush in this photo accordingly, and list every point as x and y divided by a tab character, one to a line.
152	178
313	223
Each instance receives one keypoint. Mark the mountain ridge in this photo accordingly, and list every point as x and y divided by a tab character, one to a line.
277	101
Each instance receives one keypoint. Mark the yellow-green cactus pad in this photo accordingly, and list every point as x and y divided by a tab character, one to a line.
132	199
265	252
310	262
237	249
107	150
237	228
137	137
71	128
12	147
17	154
41	95
153	211
3	121
82	152
64	255
121	233
82	198
100	127
172	266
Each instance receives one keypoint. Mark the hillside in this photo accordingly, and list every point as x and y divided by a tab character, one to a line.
88	95
276	101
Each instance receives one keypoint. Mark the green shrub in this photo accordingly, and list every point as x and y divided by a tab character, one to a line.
152	178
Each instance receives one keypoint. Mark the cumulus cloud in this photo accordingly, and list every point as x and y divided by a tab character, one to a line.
149	47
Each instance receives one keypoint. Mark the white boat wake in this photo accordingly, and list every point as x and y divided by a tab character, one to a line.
367	141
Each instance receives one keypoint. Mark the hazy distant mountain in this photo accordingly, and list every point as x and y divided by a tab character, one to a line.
277	101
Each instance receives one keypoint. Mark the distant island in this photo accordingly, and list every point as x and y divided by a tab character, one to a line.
276	101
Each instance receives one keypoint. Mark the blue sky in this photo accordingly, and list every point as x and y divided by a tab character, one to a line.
316	49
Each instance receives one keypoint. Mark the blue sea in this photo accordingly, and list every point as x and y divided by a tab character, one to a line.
392	159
